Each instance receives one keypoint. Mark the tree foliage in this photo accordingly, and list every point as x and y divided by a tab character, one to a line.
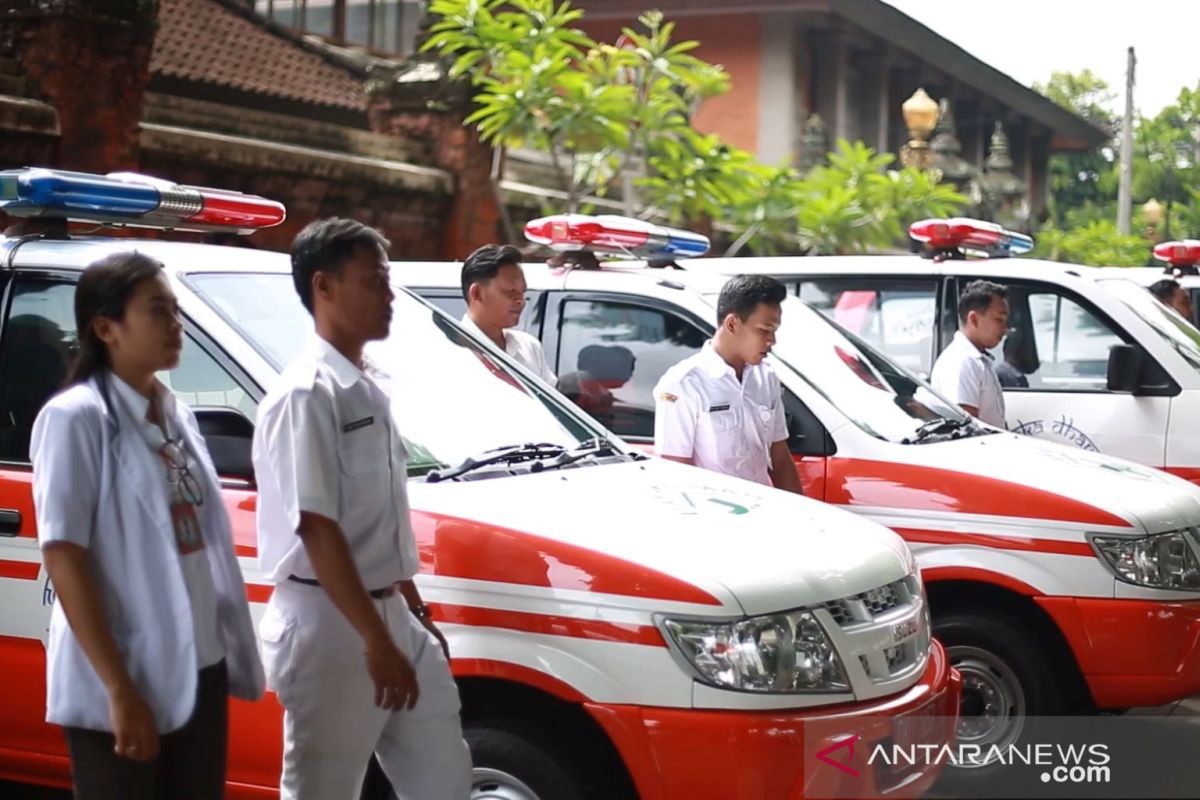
607	114
1083	186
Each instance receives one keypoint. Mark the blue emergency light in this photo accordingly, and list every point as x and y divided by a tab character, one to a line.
127	198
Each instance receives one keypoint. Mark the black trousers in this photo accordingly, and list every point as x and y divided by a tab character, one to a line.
190	763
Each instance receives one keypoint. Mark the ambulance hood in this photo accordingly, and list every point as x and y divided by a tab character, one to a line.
1035	477
655	529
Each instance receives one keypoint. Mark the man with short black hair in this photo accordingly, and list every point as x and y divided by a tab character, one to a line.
965	372
722	409
349	645
1170	293
493	284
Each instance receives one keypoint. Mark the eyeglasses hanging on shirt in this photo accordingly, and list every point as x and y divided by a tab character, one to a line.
183	483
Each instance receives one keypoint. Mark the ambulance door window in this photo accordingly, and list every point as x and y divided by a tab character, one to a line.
897	315
612	353
1055	343
36	347
201	381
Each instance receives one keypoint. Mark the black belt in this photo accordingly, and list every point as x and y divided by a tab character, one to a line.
376	594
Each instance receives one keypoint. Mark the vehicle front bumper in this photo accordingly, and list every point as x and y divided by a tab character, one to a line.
704	754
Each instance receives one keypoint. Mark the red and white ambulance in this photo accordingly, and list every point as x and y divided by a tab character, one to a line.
620	626
1059	580
1092	360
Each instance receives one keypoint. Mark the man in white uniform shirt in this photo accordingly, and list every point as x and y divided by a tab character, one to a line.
722	409
965	372
348	644
493	284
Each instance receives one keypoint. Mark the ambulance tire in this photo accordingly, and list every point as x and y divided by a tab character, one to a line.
1008	680
513	759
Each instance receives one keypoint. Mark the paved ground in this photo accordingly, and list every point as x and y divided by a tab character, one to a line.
1184	708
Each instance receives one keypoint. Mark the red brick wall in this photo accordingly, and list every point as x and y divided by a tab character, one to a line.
93	70
472	215
411	220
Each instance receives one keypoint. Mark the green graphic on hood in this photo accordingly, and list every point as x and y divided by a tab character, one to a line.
707	500
733	507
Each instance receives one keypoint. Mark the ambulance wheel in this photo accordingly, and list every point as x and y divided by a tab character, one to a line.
513	761
1007	679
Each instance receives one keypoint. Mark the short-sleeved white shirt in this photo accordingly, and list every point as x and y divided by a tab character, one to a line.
197	573
521	346
703	412
966	376
325	443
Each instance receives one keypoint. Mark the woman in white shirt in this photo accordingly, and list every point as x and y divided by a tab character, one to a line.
151	630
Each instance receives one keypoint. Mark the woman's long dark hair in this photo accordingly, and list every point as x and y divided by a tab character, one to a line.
104	290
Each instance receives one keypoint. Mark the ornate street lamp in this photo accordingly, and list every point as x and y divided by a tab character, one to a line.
1154	214
920	117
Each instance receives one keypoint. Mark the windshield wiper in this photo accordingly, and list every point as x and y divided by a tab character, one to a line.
596	447
510	454
935	427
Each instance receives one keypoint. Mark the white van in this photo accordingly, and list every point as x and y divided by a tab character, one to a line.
1102	365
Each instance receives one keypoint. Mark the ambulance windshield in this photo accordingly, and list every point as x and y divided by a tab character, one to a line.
452	399
874	392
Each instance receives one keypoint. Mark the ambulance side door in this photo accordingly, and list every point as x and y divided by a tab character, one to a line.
1053	366
37	340
610	349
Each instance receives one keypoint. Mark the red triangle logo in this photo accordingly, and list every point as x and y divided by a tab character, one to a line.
847	743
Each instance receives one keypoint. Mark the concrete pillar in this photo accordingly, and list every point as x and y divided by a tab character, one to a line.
876	100
832	55
777	92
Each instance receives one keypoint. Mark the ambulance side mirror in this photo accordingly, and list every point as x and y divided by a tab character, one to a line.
228	435
1124	368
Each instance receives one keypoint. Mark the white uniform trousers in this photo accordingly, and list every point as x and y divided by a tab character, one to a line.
316	665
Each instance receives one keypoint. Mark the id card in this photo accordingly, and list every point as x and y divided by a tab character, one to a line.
187	528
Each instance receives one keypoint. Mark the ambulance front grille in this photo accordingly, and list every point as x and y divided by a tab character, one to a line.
873	603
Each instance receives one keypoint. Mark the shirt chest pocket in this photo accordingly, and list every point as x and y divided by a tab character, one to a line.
723	423
365	452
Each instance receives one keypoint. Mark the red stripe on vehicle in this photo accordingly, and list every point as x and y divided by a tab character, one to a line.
548	624
23	570
1022	543
1191	474
460	548
258	593
857	482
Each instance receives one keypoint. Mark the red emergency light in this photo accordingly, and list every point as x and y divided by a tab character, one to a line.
614	234
1185	253
957	234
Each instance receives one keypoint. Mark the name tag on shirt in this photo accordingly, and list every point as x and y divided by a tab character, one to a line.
720	407
187	528
349	427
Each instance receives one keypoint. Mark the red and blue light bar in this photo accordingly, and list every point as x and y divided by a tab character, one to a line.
614	234
126	198
1185	253
964	233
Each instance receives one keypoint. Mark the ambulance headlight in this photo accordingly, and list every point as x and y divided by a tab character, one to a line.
787	652
1161	561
